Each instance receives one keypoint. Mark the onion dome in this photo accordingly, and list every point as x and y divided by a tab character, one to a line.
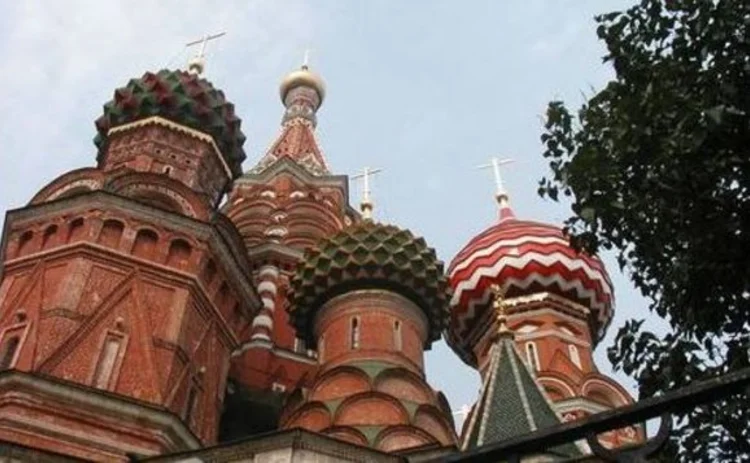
302	77
523	257
182	97
369	255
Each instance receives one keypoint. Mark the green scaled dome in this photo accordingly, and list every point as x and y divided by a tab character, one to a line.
181	97
369	255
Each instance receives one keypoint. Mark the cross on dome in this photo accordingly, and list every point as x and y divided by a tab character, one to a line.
501	194
366	204
197	64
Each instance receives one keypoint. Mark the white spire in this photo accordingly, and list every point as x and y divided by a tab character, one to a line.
366	205
197	64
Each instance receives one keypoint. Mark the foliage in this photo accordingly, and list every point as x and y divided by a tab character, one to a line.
657	165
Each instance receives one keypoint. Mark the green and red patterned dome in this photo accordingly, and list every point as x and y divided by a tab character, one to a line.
181	97
369	255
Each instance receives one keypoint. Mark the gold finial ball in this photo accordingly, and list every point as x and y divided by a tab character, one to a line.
302	77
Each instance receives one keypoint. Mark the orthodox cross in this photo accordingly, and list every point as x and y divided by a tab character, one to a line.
495	164
197	63
366	205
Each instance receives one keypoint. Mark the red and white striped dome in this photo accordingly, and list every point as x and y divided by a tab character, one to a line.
524	257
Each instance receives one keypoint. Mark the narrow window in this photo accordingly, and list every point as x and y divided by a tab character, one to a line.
167	170
106	363
321	347
9	352
397	343
192	400
575	356
532	356
354	342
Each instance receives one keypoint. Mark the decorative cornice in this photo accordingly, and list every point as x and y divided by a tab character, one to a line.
115	406
231	255
160	121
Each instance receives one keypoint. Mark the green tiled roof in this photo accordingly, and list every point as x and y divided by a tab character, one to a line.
511	403
181	97
369	255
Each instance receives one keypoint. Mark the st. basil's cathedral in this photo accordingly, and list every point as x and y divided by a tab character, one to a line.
167	305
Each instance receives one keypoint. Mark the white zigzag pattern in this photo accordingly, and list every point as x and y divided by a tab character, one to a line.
519	262
522	261
489	250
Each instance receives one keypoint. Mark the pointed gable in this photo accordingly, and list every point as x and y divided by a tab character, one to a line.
298	143
510	403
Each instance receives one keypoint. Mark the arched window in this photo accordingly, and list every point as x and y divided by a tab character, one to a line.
397	342
532	356
354	334
111	233
75	232
106	364
145	243
49	235
9	352
23	241
179	253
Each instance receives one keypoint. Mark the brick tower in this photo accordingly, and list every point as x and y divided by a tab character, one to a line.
123	290
371	299
559	303
284	204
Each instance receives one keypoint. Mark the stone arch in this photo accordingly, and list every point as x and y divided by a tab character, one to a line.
370	409
396	438
347	434
554	384
76	230
604	392
49	239
403	384
432	421
160	191
339	383
146	243
313	416
69	184
111	233
179	253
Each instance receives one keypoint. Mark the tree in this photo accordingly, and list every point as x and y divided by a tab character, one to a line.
657	165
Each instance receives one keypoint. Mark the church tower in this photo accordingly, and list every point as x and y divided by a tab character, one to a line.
284	204
123	290
559	303
371	299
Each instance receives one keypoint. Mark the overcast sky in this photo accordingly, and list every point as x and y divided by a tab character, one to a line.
424	90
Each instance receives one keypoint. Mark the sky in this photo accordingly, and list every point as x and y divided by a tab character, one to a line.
424	90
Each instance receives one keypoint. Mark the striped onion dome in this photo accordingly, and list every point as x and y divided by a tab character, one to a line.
523	258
